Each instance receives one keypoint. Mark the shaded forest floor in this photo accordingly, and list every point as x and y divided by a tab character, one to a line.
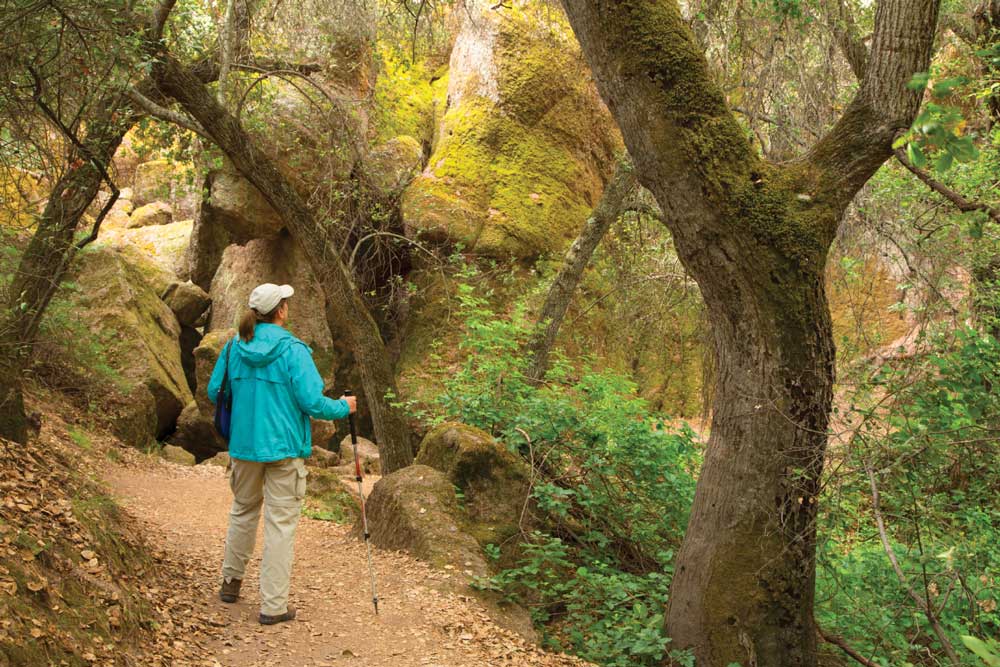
183	512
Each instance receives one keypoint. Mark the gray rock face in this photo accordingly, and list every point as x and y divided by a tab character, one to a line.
367	454
239	208
277	261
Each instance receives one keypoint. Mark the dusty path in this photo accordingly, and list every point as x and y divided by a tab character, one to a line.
185	511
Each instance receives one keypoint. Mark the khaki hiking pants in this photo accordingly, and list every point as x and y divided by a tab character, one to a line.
280	487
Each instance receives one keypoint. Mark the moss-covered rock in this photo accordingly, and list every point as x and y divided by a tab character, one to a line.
188	301
155	213
494	482
525	146
177	455
139	333
166	245
416	510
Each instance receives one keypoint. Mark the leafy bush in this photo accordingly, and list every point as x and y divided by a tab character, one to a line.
613	487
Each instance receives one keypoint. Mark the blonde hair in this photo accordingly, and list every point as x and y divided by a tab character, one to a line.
251	317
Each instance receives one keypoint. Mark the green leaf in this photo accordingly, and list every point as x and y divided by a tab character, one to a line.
915	155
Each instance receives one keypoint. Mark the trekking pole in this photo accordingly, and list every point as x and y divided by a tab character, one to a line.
361	494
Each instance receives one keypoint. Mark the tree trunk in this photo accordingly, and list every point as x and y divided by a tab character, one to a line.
744	581
754	236
48	256
560	294
361	331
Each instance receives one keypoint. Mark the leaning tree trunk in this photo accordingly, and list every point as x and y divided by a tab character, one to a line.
754	236
49	253
577	257
360	329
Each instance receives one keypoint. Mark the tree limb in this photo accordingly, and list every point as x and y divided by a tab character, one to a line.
165	114
840	643
845	32
961	202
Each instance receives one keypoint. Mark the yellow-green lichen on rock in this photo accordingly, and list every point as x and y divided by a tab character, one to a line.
525	147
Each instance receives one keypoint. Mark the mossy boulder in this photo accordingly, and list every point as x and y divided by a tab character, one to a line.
205	356
166	245
138	334
155	213
525	146
177	455
395	163
415	510
494	482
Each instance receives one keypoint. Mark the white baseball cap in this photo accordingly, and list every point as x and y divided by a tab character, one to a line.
265	298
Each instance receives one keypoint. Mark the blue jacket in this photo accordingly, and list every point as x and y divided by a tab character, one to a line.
276	389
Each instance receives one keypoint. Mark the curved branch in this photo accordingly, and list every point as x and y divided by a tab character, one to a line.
961	202
165	114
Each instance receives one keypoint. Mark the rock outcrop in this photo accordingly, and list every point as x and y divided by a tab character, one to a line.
525	146
138	332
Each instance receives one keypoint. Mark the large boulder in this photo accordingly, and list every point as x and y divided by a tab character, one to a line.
368	454
526	144
239	207
166	245
138	333
415	510
276	261
188	301
196	434
494	482
155	213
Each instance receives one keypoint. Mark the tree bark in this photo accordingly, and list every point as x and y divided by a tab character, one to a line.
560	294
755	237
360	329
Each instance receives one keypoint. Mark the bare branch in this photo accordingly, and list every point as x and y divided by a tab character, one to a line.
921	602
845	647
157	111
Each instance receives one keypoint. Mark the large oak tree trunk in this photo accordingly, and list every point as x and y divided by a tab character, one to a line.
360	329
754	236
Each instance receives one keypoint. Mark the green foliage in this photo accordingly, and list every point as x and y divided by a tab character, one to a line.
613	489
938	130
928	434
988	651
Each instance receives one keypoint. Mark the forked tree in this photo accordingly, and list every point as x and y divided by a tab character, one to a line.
755	236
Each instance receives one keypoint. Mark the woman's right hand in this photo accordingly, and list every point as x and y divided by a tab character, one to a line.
352	402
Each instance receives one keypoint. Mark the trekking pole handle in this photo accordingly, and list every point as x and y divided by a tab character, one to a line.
351	422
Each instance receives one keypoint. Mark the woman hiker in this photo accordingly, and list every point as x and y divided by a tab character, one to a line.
276	389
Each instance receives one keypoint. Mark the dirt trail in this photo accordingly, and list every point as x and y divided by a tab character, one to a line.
185	511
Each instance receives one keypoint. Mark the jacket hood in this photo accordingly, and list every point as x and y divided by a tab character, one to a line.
269	342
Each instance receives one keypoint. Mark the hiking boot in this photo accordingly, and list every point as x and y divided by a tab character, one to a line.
280	618
230	591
